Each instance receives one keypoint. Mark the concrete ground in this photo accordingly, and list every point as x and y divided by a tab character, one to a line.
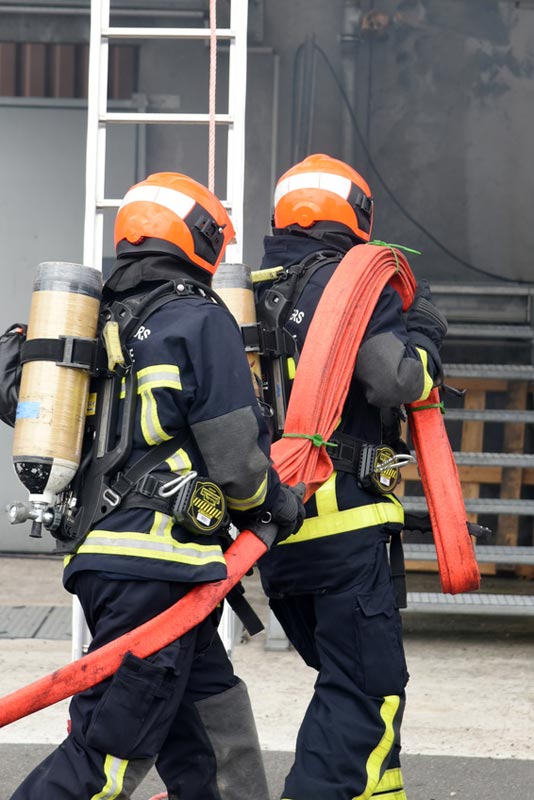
469	725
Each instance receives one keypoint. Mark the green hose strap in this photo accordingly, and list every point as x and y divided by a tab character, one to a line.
315	438
424	408
392	247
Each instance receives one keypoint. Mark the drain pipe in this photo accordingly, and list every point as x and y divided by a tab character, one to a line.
349	39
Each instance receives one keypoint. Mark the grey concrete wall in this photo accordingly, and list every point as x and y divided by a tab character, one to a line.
444	100
42	162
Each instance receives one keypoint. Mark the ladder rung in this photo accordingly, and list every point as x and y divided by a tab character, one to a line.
489	415
115	203
474	603
485	554
165	33
479	505
163	118
505	372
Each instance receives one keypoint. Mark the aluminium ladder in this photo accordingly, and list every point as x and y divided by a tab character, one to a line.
98	117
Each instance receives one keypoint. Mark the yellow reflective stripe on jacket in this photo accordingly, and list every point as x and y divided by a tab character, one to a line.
179	461
388	710
243	504
326	498
114	770
151	427
291	368
391	781
91	404
399	795
158	544
159	376
429	383
352	519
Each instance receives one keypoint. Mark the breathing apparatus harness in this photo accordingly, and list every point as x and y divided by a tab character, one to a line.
376	466
101	484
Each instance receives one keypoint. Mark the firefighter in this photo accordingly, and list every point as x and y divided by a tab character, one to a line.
330	586
193	386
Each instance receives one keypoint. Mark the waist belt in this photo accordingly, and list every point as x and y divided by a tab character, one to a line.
376	466
196	503
181	506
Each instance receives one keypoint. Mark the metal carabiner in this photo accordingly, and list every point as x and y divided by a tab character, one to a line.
396	462
174	485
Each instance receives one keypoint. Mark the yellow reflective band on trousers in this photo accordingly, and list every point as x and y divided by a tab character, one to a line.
429	383
243	504
160	376
158	544
352	519
391	786
389	709
114	770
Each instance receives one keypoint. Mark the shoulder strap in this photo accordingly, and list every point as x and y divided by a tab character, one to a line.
276	304
130	312
125	481
309	266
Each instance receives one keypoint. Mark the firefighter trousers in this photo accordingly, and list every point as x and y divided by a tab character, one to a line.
164	710
348	744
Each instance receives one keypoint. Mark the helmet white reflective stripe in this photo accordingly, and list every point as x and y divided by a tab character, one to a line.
177	202
313	180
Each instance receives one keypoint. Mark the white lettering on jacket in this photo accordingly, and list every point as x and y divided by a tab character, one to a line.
296	316
142	333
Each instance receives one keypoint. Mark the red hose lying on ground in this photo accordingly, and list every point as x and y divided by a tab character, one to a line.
317	397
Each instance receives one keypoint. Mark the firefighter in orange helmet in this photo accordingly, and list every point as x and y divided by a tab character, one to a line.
194	400
330	585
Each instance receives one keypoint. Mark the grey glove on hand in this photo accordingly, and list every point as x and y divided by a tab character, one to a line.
423	316
426	325
285	517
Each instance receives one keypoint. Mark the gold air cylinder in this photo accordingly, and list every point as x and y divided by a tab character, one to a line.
52	398
233	284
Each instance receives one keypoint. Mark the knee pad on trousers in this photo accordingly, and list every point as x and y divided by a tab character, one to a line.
231	729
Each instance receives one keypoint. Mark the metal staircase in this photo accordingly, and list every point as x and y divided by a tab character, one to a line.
99	117
486	322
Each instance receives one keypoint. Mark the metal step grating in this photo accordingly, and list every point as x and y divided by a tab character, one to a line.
478	505
505	372
474	603
499	332
524	460
35	622
489	415
485	554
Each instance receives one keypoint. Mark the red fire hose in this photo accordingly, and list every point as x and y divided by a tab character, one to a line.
317	398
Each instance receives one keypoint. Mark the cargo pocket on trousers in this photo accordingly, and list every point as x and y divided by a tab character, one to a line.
133	716
381	663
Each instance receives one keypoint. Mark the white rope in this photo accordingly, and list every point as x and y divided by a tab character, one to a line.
212	91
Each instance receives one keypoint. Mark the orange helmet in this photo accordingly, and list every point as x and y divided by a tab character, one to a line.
185	218
324	189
